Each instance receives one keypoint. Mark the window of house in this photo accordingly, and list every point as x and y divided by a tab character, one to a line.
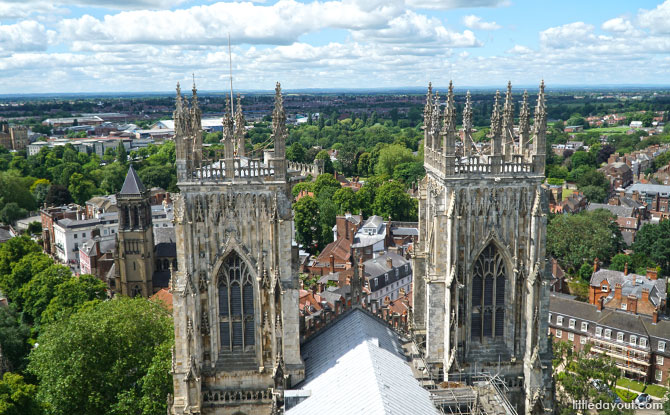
75	236
585	326
599	331
659	376
559	320
624	306
559	334
571	323
633	340
608	333
83	234
659	360
582	339
571	336
661	346
619	337
604	288
406	267
643	342
386	278
550	317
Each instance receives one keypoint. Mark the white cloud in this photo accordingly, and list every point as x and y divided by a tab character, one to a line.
567	35
455	4
618	24
37	6
476	22
656	20
520	50
24	36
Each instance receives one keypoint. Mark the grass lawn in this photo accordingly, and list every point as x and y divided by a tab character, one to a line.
656	391
625	395
630	384
567	192
620	129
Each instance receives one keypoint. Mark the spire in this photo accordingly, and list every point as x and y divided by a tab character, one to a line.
467	126
496	127
539	132
428	117
179	104
508	123
435	123
449	124
228	133
132	185
239	128
524	124
279	132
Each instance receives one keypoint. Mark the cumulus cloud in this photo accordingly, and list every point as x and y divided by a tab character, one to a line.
37	5
476	22
455	4
658	19
520	50
618	24
567	35
24	36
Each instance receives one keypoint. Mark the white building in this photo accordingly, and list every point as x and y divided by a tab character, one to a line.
386	275
369	240
70	234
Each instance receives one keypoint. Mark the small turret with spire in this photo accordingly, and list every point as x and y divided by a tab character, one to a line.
196	126
427	121
449	132
467	126
524	125
228	141
540	132
508	123
279	135
239	128
496	127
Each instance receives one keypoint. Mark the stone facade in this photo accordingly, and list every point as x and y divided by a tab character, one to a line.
481	283
236	292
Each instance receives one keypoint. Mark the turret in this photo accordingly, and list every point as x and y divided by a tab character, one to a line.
524	125
428	120
496	127
239	129
467	126
279	134
540	132
183	144
228	141
449	132
508	123
196	127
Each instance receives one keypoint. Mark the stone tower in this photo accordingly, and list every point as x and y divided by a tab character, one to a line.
135	239
481	283
236	292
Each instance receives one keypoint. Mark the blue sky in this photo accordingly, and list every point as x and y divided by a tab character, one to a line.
149	45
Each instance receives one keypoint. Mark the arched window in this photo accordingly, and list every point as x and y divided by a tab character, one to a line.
236	304
136	291
488	295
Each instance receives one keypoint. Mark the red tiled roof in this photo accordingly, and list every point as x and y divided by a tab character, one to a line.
163	296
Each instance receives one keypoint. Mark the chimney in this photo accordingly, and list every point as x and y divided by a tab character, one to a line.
595	265
332	263
645	295
617	291
599	303
389	262
625	269
652	273
654	316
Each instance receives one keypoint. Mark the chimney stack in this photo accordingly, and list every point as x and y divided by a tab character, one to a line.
389	262
596	266
654	317
617	291
652	274
599	303
332	263
625	269
645	295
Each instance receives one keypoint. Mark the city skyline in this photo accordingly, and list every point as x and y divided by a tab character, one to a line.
149	45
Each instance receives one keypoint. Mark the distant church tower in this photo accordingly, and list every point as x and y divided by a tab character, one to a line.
480	276
236	292
134	239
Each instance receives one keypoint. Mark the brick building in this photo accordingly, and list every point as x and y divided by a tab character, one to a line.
632	293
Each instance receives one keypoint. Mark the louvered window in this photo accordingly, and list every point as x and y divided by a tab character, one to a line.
488	295
237	322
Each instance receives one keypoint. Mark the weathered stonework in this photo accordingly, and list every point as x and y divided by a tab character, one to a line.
236	292
480	276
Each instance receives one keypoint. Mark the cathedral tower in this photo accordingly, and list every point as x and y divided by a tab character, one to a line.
135	239
236	292
480	280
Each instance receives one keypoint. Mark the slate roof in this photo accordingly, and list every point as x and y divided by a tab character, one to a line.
620	211
132	185
378	266
649	189
356	366
162	235
631	284
161	279
166	249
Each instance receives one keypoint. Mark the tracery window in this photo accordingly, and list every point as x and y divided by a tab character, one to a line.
488	295
136	290
236	304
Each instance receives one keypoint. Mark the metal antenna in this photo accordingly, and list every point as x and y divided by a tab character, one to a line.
230	67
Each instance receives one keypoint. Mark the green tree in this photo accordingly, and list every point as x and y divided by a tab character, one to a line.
653	241
575	239
80	188
11	252
582	158
345	200
58	195
392	201
18	397
364	164
306	217
14	335
11	212
299	187
111	345
409	173
39	190
585	272
34	228
158	176
296	152
391	156
637	262
41	289
23	270
72	294
594	194
324	157
323	182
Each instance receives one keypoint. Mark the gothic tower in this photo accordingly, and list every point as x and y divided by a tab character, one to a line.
480	280
236	292
135	239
